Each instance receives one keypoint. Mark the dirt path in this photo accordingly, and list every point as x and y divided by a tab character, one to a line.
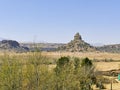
115	86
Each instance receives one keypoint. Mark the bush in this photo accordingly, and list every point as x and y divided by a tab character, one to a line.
62	61
86	62
32	72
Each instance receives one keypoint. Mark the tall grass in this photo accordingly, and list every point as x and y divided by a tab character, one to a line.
32	72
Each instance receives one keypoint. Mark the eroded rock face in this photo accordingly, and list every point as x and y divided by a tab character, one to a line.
77	45
77	37
12	45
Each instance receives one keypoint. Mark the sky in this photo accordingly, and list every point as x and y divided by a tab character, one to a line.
57	21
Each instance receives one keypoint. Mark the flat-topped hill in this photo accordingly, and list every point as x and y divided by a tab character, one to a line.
11	45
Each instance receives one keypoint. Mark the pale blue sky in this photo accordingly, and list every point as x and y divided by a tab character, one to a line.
98	21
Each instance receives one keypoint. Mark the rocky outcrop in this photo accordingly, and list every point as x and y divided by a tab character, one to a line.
12	45
77	45
110	48
9	44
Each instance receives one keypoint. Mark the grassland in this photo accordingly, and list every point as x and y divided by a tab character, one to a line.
91	55
106	61
34	70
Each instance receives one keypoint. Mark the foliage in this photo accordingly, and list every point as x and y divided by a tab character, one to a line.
62	61
86	62
32	72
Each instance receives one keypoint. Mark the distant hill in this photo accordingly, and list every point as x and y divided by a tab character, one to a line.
77	45
42	46
11	45
96	44
110	48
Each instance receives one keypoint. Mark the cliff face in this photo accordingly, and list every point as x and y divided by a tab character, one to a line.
9	44
77	45
12	45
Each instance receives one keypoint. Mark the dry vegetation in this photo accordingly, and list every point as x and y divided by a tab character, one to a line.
102	65
91	55
31	71
31	68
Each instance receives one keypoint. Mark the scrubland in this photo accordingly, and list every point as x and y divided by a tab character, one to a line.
42	71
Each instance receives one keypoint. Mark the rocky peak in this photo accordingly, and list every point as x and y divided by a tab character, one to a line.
77	45
77	37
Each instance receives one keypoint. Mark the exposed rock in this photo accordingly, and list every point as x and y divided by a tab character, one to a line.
77	45
12	45
110	48
42	46
9	44
77	37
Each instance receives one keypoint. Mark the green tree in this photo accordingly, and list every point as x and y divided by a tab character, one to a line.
86	62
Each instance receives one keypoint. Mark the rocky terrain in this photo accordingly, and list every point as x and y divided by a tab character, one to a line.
110	48
11	45
77	45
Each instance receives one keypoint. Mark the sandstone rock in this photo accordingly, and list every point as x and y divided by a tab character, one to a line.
77	45
12	45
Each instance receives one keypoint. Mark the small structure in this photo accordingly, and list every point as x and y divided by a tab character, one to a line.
119	76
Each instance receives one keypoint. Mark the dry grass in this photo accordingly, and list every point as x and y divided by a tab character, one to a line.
91	55
105	66
102	66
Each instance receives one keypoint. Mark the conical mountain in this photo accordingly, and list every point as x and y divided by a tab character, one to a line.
77	45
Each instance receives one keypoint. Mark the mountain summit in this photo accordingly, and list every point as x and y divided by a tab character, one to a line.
77	45
77	37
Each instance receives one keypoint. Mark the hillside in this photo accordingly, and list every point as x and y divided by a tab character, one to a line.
77	45
110	48
11	45
42	46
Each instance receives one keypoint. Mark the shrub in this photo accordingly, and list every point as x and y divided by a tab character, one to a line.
86	62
